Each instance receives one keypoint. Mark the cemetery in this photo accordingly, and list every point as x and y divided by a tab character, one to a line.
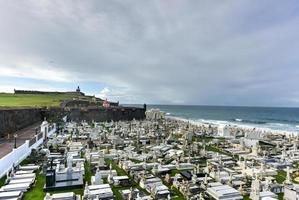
148	159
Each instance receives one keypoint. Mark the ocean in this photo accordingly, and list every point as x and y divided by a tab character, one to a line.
274	118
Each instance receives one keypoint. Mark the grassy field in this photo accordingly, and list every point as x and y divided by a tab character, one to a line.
32	100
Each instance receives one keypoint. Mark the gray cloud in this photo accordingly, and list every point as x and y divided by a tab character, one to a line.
161	51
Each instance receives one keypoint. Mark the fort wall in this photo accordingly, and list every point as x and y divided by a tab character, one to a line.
107	114
47	92
12	120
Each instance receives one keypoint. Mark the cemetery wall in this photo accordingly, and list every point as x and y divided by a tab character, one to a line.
108	114
12	120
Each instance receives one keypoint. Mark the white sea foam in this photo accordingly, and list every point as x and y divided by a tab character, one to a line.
269	127
278	124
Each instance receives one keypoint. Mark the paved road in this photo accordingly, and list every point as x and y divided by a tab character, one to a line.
6	145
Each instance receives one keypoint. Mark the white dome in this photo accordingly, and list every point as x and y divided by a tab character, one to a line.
44	123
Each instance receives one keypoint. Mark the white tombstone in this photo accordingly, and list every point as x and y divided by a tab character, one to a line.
48	196
175	181
70	162
110	176
206	179
87	154
194	179
98	178
86	191
101	159
255	189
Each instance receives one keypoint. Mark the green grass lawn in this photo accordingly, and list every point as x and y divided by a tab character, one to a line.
37	191
178	194
135	161
173	172
280	196
119	171
2	181
203	139
281	176
217	149
246	198
116	193
88	172
32	100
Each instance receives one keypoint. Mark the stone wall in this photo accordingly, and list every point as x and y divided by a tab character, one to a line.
47	92
100	115
12	120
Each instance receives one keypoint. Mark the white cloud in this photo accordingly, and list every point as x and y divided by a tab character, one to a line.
29	70
199	52
104	93
28	86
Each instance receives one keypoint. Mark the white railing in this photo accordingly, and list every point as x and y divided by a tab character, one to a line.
16	156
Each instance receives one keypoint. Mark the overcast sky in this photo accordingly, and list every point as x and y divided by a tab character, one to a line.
211	52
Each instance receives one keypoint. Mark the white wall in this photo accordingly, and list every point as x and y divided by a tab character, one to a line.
16	156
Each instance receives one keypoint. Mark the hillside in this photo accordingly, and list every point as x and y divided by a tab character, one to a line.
33	100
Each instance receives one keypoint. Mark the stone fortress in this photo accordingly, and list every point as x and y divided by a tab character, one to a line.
80	107
77	92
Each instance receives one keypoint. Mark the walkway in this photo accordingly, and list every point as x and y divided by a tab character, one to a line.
6	145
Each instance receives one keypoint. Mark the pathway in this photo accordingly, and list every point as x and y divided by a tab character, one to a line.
6	145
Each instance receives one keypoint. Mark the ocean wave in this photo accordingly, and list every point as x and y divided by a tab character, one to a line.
262	126
244	123
282	120
200	121
278	124
249	121
216	122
